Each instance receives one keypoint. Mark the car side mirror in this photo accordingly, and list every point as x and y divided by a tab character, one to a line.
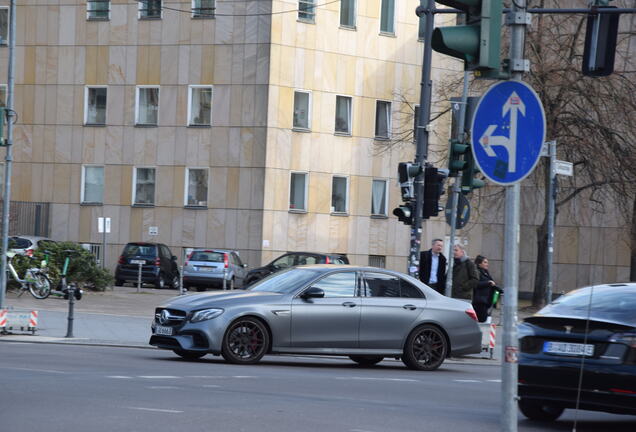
174	258
313	292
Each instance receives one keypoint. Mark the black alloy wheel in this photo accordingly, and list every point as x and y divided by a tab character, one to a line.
425	349
366	360
245	342
539	410
189	355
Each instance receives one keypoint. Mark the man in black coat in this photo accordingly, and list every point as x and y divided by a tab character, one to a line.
433	267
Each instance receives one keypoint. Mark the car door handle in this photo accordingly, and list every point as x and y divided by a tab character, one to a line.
409	307
349	304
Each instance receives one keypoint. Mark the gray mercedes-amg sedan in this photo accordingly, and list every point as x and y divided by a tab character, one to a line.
364	313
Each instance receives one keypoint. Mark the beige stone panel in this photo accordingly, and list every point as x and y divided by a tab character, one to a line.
261	94
338	233
263	64
136	224
45	186
49	144
166	146
360	192
249	107
181	136
610	238
364	122
622	274
24	149
178	187
85	223
50	101
221	103
215	232
565	277
60	221
247	141
164	186
191	146
40	28
284	107
236	109
112	184
623	250
143	55
114	141
609	274
63	144
168	106
100	145
319	193
28	74
207	65
234	147
118	28
219	185
117	65
220	137
61	181
526	277
187	229
232	188
91	66
243	179
124	194
238	55
257	192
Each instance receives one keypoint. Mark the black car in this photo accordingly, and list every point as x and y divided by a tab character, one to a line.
586	339
158	265
292	259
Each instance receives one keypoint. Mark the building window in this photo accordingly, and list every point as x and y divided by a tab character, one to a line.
298	192
302	110
203	8
348	13
95	105
382	119
343	115
377	261
378	198
147	108
200	106
144	181
339	189
387	17
92	184
307	10
3	95
4	25
149	9
196	187
97	10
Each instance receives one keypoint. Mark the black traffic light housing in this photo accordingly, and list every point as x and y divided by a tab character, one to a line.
600	43
407	171
433	190
469	182
456	162
404	213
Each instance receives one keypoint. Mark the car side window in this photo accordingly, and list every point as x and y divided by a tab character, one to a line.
284	262
307	259
338	284
165	251
409	290
237	259
382	285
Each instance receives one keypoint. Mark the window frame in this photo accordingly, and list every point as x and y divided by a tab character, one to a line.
134	187
386	199
206	15
185	189
354	13
350	119
5	88
83	184
384	32
312	19
358	291
97	18
5	41
346	198
309	111
305	192
140	8
388	120
190	94
86	91
137	93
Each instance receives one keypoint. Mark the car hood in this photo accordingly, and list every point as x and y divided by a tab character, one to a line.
197	301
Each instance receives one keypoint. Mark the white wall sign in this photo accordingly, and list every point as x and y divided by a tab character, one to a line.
153	230
563	168
100	225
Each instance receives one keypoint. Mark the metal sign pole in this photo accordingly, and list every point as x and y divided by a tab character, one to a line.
551	216
139	278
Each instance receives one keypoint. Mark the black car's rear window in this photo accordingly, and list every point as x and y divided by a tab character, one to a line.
610	303
19	243
285	281
207	256
140	250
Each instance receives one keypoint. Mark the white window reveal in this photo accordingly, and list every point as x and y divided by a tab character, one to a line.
298	192
302	119
379	198
95	103
92	184
144	192
343	115
200	106
196	187
147	112
339	192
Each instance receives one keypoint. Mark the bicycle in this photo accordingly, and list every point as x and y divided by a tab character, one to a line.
35	279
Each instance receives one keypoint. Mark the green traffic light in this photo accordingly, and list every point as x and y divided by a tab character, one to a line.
455	162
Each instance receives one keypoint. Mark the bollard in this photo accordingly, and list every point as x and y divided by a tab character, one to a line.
139	278
183	290
224	279
71	306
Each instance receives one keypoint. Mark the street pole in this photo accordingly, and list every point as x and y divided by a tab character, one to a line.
551	216
516	18
421	152
9	154
456	188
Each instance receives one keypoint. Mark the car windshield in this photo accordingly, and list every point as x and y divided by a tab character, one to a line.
142	250
285	281
207	256
616	303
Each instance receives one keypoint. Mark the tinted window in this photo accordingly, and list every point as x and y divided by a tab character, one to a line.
285	281
284	261
20	243
382	285
143	250
307	259
611	303
409	290
207	256
237	259
338	284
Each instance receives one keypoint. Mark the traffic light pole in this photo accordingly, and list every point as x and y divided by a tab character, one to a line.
461	135
517	19
421	152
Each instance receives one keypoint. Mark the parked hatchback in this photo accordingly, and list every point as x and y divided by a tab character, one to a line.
25	244
292	259
218	268
158	265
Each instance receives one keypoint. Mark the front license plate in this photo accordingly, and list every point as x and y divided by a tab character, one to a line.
567	348
161	330
137	261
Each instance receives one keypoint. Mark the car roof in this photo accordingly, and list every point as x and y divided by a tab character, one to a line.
30	237
334	267
213	250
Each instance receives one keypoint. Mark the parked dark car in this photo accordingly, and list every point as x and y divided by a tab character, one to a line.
159	266
591	331
364	313
292	259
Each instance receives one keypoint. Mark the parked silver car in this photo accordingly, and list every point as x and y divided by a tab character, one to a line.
26	244
210	267
365	313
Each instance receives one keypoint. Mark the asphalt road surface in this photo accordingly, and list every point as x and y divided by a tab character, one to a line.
91	388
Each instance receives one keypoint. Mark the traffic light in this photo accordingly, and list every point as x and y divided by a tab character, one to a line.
479	41
407	171
404	213
433	190
469	182
456	162
600	42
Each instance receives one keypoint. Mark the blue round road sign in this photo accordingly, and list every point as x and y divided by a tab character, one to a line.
508	131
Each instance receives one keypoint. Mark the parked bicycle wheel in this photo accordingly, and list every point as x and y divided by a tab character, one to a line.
41	287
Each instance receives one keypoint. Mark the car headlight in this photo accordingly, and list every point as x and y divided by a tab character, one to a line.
206	314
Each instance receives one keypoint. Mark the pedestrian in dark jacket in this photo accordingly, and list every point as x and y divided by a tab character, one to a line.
465	276
484	291
433	266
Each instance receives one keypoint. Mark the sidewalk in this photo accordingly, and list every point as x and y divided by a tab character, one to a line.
122	316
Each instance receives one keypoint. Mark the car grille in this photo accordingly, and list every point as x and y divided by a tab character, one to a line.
169	317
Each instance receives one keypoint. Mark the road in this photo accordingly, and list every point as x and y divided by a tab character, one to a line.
76	388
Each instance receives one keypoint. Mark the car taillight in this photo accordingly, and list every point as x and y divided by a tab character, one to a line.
29	252
122	260
471	313
226	262
628	339
157	262
327	260
188	258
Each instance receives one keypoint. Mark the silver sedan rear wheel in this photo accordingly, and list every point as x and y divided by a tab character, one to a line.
425	349
245	342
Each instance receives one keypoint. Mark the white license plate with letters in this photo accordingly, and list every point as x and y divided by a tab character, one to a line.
162	330
568	348
138	261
